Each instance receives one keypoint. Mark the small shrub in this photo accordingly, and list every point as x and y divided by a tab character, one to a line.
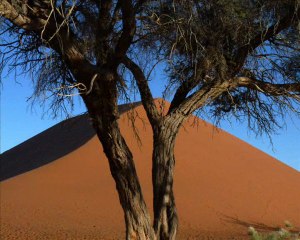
282	234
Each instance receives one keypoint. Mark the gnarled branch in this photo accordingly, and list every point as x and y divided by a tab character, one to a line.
144	89
272	89
128	31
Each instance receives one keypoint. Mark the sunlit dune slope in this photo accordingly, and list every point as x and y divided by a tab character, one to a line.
222	185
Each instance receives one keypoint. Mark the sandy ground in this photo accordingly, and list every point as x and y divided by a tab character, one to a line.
222	186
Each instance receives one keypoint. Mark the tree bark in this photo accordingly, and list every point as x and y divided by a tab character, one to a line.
165	213
103	109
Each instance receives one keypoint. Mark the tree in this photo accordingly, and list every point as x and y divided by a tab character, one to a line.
223	57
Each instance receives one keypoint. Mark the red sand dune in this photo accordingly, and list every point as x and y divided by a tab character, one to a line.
222	186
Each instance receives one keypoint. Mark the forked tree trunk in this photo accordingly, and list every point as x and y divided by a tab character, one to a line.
102	107
137	219
165	214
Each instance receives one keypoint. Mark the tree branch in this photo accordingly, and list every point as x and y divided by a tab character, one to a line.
286	89
200	98
104	18
184	89
8	11
265	35
128	31
144	89
62	41
209	92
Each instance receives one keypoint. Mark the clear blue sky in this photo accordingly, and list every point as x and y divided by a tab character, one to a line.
19	122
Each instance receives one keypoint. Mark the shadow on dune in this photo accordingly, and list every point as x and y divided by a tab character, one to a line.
46	147
257	225
50	145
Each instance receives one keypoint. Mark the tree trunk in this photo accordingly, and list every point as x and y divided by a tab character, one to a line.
103	109
165	214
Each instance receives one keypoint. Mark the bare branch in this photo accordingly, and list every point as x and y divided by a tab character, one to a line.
104	29
183	90
144	89
128	31
8	11
208	93
288	89
266	35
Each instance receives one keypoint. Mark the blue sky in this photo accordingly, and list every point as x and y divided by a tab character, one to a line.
20	121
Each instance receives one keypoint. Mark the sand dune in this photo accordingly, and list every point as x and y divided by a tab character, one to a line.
222	185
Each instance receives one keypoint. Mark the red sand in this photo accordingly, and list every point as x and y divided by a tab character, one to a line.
222	186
